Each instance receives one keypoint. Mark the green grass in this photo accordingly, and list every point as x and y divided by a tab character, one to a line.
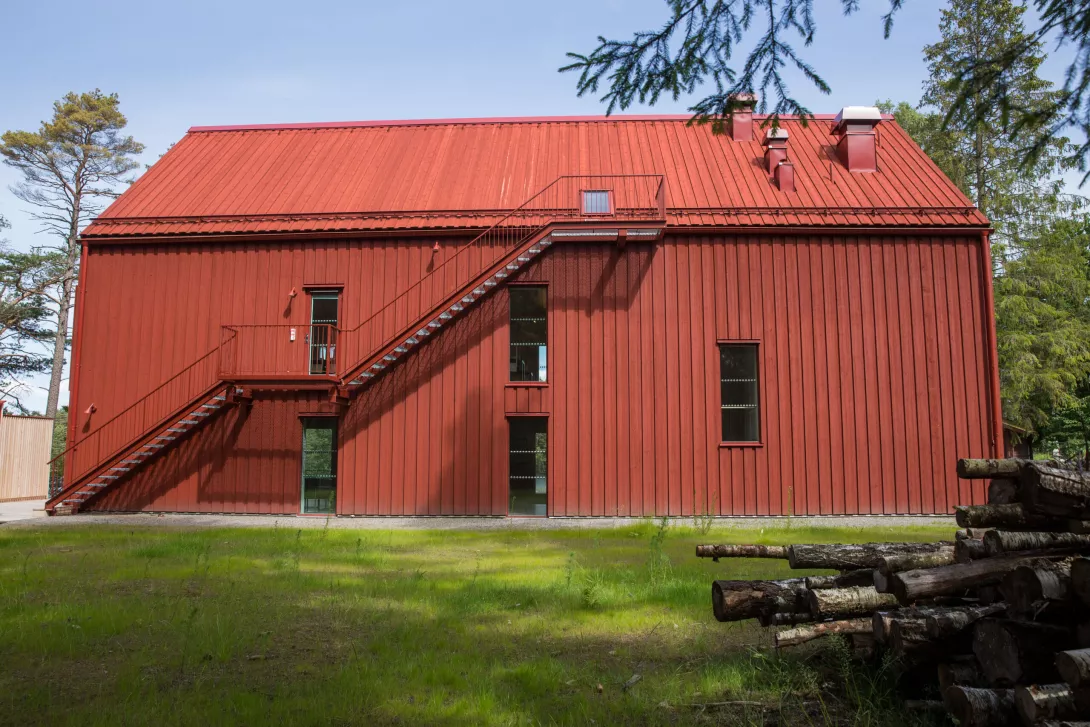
130	626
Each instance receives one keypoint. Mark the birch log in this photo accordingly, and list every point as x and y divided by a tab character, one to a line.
1074	667
802	634
1056	492
1028	587
1045	701
741	551
841	602
998	542
1018	652
947	580
974	707
851	557
950	621
739	600
985	469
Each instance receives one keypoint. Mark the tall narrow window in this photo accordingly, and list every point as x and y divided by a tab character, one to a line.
529	333
739	385
319	465
529	466
322	339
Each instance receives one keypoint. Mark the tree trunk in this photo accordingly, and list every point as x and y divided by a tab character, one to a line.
1004	492
986	469
912	561
998	542
1006	517
969	549
844	580
973	707
60	345
1045	701
741	551
739	600
1074	667
948	580
1018	652
1080	579
802	634
851	557
950	621
855	601
1028	586
1056	492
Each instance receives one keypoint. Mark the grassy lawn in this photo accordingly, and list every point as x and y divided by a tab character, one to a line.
111	625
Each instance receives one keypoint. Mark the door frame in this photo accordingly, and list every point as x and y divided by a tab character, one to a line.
303	417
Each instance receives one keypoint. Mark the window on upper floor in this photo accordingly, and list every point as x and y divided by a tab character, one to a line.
597	202
529	333
740	391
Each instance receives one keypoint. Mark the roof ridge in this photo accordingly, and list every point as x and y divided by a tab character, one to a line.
482	120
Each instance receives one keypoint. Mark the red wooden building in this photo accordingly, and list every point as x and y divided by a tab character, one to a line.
561	316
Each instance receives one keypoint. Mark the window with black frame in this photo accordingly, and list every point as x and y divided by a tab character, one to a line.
740	391
529	333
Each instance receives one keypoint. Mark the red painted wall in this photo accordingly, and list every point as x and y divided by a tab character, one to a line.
874	376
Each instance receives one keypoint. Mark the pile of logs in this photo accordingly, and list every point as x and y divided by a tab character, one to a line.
998	618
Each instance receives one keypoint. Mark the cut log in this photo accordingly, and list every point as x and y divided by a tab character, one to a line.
1045	701
802	634
1006	517
946	622
1064	723
741	551
984	469
912	561
970	533
1074	667
973	707
863	646
1029	587
1056	492
999	542
969	549
947	580
739	600
881	582
842	602
785	619
1080	579
1018	652
1004	492
908	639
964	673
882	621
852	557
851	578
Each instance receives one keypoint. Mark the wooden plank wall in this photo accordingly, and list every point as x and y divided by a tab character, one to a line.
874	379
25	443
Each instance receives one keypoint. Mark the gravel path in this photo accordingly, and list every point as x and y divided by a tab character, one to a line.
462	523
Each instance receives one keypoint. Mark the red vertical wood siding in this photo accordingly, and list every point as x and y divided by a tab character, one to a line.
874	365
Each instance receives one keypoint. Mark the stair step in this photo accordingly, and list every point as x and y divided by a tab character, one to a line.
130	461
169	439
188	421
175	429
211	406
120	469
200	414
108	477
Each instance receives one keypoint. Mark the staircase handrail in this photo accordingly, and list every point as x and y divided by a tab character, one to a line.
524	208
97	432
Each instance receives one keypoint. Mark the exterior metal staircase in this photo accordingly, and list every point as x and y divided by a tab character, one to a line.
623	208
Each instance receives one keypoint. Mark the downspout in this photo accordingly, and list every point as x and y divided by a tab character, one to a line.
995	402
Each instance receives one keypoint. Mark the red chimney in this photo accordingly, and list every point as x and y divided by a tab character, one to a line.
741	118
854	129
775	149
785	176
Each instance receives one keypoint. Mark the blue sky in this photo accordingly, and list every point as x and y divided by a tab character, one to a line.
177	65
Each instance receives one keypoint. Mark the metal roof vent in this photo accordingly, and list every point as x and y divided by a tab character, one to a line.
856	139
775	144
741	118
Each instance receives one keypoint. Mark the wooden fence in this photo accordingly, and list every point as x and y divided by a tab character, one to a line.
25	443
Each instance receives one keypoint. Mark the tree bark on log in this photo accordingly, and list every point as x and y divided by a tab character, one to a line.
1056	492
982	707
964	673
946	580
1004	492
1080	579
793	637
841	602
1028	586
950	621
984	469
908	639
881	582
851	578
739	600
1006	517
852	557
969	549
1017	652
913	561
1074	667
999	542
972	533
741	551
786	619
1064	723
882	621
1045	701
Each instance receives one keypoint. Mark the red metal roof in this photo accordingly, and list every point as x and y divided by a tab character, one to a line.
452	173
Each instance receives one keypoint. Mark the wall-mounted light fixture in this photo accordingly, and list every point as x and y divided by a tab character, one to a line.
435	247
292	294
90	410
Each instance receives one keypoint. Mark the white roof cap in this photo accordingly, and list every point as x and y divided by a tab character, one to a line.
859	113
778	133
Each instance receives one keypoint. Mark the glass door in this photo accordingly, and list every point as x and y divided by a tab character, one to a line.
322	339
319	465
529	466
